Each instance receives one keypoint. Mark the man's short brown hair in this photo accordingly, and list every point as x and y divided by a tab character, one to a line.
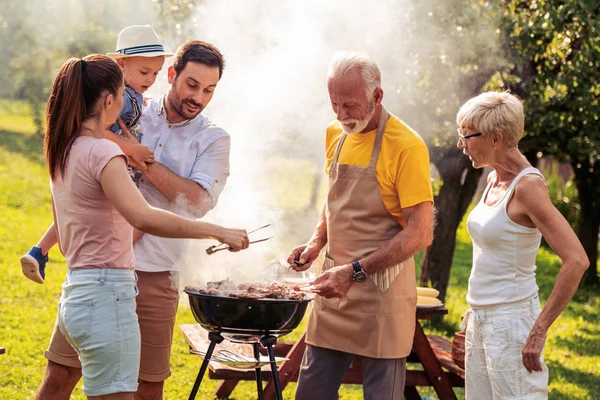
200	52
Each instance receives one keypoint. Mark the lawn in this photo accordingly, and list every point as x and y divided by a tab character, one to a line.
28	310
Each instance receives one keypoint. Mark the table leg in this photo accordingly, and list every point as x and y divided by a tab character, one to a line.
411	393
225	388
432	366
259	386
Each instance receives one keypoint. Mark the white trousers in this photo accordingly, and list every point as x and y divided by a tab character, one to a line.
494	340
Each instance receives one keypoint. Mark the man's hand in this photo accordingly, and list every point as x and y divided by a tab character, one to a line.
139	155
304	256
335	282
532	351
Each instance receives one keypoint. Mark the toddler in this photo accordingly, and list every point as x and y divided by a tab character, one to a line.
140	56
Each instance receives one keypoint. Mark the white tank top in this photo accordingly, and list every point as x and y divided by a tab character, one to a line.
504	252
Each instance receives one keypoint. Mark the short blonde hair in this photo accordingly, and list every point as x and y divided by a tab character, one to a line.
494	112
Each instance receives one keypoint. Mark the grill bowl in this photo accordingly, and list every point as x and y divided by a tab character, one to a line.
246	320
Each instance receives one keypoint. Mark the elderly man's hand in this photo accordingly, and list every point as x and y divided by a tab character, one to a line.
532	351
335	282
304	255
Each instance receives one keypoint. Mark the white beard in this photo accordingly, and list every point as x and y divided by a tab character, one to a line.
351	125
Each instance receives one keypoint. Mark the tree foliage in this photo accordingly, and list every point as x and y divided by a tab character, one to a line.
38	36
467	57
546	51
554	50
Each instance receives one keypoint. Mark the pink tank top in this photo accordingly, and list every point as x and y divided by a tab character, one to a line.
92	233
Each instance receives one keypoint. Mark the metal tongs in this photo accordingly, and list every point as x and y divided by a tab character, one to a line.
218	247
224	356
283	264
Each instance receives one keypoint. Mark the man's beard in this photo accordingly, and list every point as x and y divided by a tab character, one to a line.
179	106
351	125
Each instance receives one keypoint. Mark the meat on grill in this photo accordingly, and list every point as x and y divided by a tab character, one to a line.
272	290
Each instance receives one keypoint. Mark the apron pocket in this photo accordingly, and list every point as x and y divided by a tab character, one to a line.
388	305
333	302
371	300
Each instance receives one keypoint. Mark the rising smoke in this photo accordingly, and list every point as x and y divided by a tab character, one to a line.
274	103
272	98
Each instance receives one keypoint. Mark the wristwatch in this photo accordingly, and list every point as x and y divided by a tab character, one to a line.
359	275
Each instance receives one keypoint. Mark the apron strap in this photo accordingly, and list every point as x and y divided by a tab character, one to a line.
338	149
383	118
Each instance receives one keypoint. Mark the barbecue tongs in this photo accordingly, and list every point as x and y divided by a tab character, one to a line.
218	247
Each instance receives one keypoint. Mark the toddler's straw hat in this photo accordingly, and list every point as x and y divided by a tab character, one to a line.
138	41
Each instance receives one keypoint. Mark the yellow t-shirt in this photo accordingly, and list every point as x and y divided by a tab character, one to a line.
402	167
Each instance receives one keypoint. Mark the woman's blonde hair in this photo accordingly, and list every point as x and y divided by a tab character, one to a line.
494	112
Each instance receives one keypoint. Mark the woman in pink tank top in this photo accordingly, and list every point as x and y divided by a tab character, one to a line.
506	327
95	205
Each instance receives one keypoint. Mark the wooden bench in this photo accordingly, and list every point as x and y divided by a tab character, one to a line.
197	338
442	348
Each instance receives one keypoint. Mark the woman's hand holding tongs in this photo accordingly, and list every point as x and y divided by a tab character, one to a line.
236	239
233	244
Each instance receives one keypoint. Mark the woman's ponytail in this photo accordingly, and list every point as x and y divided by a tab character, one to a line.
78	86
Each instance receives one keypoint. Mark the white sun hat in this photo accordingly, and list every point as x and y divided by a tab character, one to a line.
138	41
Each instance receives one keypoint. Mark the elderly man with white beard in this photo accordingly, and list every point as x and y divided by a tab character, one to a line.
377	215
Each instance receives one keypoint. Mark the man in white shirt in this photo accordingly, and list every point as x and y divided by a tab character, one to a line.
190	170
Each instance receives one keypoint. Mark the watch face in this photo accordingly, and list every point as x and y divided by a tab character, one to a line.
359	276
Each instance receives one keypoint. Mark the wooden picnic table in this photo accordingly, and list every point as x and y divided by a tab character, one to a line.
430	351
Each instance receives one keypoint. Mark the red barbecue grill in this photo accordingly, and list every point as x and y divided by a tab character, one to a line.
245	320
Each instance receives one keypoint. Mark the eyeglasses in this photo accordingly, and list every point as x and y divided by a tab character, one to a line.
462	139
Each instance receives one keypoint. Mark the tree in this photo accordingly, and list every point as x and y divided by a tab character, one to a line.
554	47
38	36
549	56
468	57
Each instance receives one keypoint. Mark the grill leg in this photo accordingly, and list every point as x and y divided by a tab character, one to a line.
259	387
215	338
269	342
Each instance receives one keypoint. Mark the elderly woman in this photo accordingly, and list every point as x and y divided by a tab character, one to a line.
506	328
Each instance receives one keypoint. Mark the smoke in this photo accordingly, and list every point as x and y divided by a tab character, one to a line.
272	98
273	101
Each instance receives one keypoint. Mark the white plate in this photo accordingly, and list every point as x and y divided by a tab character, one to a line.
292	280
430	305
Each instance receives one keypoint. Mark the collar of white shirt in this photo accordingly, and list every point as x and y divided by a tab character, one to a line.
162	111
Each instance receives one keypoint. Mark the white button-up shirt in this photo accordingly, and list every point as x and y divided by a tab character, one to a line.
195	149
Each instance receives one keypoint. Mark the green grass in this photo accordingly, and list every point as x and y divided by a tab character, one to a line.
28	310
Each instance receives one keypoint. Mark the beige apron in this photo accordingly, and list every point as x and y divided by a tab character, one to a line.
376	318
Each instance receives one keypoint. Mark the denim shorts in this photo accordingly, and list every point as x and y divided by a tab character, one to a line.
96	314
